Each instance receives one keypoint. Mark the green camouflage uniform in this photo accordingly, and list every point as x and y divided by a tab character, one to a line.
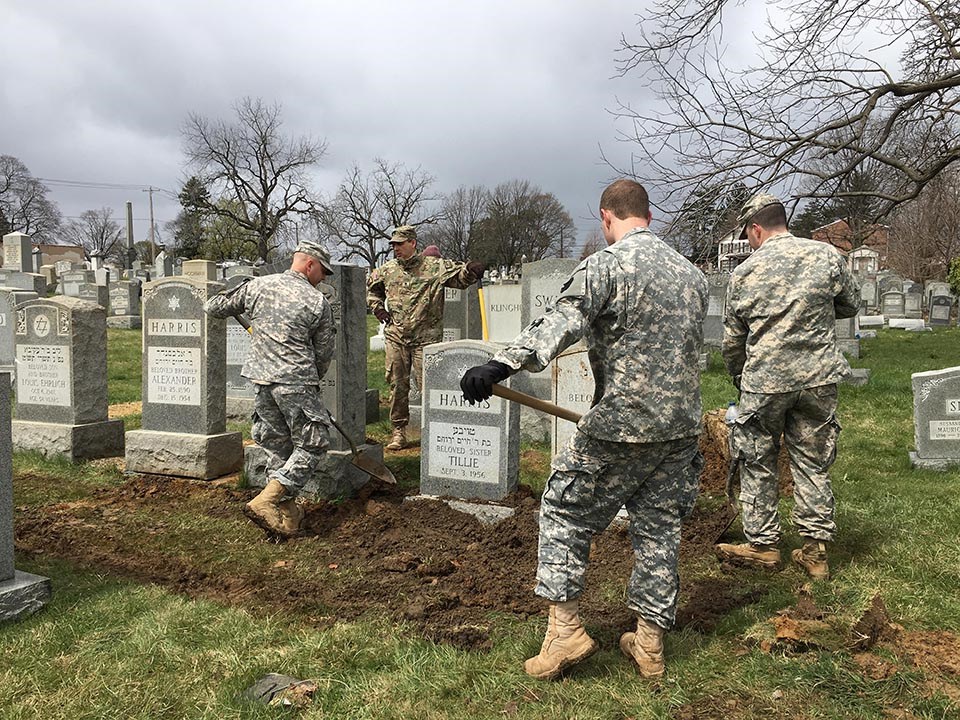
639	306
780	346
413	291
291	349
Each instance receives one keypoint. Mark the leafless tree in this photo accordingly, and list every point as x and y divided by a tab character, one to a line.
593	243
98	233
810	111
256	175
367	206
24	205
522	220
925	233
459	212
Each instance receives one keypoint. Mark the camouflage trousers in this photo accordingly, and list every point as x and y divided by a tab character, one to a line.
292	425
590	481
403	362
807	421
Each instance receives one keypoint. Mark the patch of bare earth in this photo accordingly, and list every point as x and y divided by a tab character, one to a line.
119	410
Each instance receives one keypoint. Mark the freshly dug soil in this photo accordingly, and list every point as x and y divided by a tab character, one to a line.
421	562
715	447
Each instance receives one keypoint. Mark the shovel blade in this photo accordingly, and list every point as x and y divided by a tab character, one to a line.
378	471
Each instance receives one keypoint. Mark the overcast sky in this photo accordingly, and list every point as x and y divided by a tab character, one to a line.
478	92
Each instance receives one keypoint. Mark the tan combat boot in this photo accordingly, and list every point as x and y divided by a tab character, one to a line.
566	642
292	515
762	556
812	557
645	647
399	439
264	509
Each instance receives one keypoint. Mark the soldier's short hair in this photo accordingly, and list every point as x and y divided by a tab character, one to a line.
625	199
772	216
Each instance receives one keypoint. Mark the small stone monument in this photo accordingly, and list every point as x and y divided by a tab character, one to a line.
847	341
61	348
713	321
913	302
461	314
124	305
163	265
240	391
573	389
9	299
98	294
72	280
502	306
893	304
203	270
21	594
466	451
868	292
939	312
184	386
17	252
936	418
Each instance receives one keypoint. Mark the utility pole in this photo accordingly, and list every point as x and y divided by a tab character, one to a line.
130	250
152	241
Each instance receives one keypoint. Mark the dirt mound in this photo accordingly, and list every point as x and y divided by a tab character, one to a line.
715	447
421	563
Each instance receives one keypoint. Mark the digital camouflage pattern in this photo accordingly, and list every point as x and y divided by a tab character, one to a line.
751	207
780	324
807	420
292	425
293	330
413	291
402	362
590	481
639	305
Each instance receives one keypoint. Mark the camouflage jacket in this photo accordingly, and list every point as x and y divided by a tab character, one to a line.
639	305
413	291
782	306
293	330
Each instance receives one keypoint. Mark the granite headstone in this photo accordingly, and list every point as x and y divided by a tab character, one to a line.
936	416
939	312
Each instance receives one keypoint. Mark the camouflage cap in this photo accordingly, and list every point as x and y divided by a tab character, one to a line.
751	207
315	250
404	233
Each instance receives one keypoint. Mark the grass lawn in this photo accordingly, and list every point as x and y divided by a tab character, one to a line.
108	646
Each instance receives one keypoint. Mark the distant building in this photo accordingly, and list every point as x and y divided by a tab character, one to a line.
842	237
732	251
52	254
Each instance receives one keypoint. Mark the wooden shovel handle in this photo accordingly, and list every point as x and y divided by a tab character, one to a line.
536	403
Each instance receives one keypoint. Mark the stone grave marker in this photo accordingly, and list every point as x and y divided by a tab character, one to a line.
461	314
573	389
18	252
936	417
184	386
31	282
344	389
466	451
71	280
716	301
9	299
240	391
913	302
936	288
21	594
61	349
939	312
847	341
99	294
163	265
540	287
893	304
203	270
502	306
102	276
49	274
868	292
124	310
889	283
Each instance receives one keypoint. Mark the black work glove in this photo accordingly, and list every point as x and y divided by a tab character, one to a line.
476	268
382	315
477	382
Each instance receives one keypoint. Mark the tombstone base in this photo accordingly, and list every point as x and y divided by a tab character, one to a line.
858	377
939	464
486	513
203	457
126	322
239	409
23	595
849	347
75	442
335	477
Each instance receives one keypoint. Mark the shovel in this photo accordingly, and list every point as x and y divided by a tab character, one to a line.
378	471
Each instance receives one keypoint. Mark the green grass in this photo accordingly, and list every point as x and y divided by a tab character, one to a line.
108	648
123	365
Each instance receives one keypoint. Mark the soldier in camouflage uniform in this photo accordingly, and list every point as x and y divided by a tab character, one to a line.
639	305
780	346
291	349
411	286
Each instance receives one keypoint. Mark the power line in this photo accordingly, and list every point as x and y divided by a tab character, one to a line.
103	186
